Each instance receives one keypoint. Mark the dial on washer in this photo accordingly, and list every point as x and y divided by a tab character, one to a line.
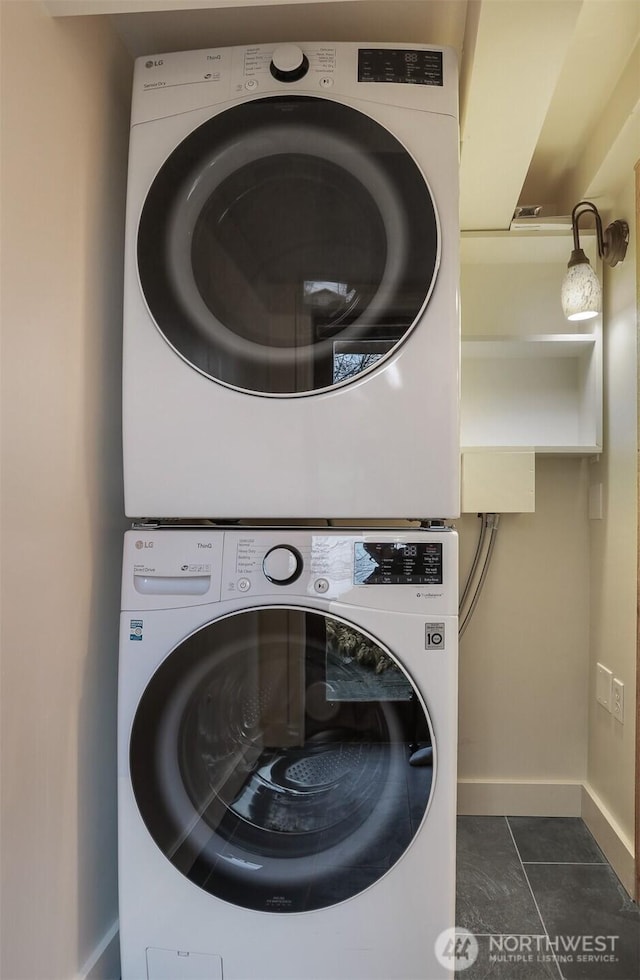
289	63
282	564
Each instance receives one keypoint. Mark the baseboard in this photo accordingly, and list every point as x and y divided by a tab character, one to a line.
614	843
104	962
519	799
484	797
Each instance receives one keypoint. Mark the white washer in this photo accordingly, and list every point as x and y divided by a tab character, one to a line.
287	753
291	326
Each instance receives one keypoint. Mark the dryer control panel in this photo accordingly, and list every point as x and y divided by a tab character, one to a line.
412	569
420	76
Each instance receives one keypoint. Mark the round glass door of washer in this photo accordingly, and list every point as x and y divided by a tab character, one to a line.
272	758
287	246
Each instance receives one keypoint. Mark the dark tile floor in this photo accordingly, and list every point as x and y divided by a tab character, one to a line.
542	902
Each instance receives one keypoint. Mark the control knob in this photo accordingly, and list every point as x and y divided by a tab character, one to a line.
289	63
282	564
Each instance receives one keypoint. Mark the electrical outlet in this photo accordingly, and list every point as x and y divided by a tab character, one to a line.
604	679
617	704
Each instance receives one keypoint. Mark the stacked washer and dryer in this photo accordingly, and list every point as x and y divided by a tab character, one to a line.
288	691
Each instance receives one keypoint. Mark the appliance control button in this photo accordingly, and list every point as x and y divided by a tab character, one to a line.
282	564
321	585
289	63
244	585
326	81
251	84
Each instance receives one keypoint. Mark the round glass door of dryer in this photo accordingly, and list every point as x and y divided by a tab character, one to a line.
287	246
271	759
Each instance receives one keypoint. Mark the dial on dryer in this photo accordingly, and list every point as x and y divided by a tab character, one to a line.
289	63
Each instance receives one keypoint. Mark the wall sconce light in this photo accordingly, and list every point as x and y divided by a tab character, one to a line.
581	294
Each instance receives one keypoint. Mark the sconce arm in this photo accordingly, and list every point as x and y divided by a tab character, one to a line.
612	244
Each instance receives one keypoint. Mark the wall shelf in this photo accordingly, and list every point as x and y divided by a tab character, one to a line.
523	387
541	345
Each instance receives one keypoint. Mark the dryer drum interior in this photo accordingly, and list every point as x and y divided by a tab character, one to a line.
287	245
270	759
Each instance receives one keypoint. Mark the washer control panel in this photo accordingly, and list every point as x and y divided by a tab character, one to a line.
410	569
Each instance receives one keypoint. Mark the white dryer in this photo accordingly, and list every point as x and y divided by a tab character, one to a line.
287	753
291	327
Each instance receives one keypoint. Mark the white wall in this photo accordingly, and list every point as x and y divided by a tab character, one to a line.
561	597
503	743
611	771
524	656
65	94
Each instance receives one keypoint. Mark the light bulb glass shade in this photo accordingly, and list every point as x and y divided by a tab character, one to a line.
581	294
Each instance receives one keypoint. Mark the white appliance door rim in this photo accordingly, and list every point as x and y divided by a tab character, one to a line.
256	870
173	297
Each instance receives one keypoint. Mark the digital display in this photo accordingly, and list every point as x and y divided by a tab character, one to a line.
400	65
391	563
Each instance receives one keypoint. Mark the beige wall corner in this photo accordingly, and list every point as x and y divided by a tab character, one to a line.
65	104
613	537
614	843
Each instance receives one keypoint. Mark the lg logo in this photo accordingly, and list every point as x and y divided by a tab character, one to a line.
154	64
144	544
